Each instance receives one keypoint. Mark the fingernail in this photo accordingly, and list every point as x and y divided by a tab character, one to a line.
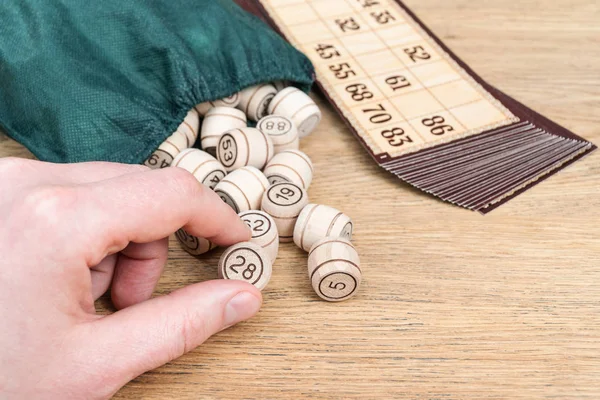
243	306
248	231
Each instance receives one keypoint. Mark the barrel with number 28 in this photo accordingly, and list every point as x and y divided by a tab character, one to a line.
247	262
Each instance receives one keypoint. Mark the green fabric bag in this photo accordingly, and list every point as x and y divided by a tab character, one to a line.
110	80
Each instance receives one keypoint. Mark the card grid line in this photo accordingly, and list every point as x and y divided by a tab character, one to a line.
352	57
450	110
441	53
503	147
370	78
456	67
417	78
356	61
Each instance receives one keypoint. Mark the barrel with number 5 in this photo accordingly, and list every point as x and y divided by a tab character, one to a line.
334	269
246	262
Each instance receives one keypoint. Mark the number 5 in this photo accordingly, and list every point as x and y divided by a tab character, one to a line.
336	285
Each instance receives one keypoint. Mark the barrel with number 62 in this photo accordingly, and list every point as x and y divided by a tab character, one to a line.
264	231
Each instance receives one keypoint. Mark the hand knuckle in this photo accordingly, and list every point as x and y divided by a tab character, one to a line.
185	183
49	202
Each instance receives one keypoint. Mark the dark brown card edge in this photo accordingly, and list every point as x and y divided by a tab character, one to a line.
492	207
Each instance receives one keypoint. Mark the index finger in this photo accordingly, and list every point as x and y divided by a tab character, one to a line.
148	206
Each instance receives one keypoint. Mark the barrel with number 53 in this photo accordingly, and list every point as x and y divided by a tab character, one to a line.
244	147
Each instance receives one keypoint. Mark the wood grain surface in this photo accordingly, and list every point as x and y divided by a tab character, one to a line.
453	305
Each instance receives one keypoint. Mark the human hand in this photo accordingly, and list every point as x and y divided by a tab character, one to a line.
67	233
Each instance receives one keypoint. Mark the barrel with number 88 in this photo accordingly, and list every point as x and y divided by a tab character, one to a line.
281	130
247	262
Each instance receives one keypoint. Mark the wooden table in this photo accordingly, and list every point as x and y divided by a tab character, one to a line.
454	305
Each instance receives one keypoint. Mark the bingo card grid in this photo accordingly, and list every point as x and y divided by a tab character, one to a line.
395	84
421	112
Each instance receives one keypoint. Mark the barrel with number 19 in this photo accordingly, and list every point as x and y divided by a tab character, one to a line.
284	202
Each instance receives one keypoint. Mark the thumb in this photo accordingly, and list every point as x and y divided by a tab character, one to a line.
152	333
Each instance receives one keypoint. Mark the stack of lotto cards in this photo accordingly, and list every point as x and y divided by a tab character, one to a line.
421	112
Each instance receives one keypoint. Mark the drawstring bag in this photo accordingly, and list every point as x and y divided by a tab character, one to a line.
110	80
